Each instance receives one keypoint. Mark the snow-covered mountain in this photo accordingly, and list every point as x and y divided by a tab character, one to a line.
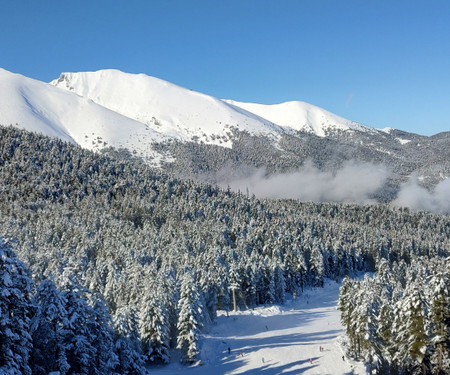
185	114
169	109
302	116
40	107
134	110
194	134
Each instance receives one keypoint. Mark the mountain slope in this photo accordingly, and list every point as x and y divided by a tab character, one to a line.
177	112
37	106
301	116
201	137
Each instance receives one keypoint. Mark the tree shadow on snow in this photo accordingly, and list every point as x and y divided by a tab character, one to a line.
250	325
288	368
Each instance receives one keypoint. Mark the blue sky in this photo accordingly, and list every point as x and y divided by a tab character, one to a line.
381	63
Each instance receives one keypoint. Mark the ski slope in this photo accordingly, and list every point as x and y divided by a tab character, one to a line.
276	340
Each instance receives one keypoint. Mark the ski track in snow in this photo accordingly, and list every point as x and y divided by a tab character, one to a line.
276	340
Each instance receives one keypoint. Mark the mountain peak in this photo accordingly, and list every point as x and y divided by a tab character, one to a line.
110	107
302	116
175	111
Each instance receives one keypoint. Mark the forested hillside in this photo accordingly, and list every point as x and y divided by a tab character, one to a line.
401	316
164	253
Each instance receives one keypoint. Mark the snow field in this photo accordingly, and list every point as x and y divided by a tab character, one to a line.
276	340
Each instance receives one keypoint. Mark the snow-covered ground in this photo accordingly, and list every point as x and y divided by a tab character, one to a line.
301	116
276	340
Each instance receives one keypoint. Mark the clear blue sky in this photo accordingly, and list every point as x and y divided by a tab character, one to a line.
378	62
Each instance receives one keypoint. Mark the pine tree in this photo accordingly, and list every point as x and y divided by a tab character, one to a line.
346	305
15	311
411	331
440	320
189	323
279	288
235	284
316	266
100	328
154	326
127	345
50	330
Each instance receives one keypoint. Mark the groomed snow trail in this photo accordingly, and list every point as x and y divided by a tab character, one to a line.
276	340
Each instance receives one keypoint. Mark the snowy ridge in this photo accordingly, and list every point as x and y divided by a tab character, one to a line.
301	116
39	107
172	110
133	111
186	115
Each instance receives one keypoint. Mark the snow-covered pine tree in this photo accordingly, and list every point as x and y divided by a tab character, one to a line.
100	328
127	345
411	340
366	315
346	306
189	324
440	322
385	349
15	311
235	284
154	326
279	283
50	330
81	352
316	265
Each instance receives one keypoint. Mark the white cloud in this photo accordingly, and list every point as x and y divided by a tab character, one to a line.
418	198
354	182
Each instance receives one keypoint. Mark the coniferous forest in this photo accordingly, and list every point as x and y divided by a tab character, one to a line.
105	260
401	316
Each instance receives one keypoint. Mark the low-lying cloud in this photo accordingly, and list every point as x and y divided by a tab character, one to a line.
414	196
354	182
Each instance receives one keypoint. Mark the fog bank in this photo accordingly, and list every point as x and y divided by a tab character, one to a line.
354	183
414	196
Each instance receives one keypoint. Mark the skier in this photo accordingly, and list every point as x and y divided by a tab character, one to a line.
310	360
242	354
229	350
343	358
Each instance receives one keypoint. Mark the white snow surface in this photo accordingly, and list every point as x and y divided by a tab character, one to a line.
386	130
40	107
403	141
184	114
301	116
175	111
276	340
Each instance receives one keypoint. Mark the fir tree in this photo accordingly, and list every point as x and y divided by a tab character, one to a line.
15	311
440	320
189	323
154	326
